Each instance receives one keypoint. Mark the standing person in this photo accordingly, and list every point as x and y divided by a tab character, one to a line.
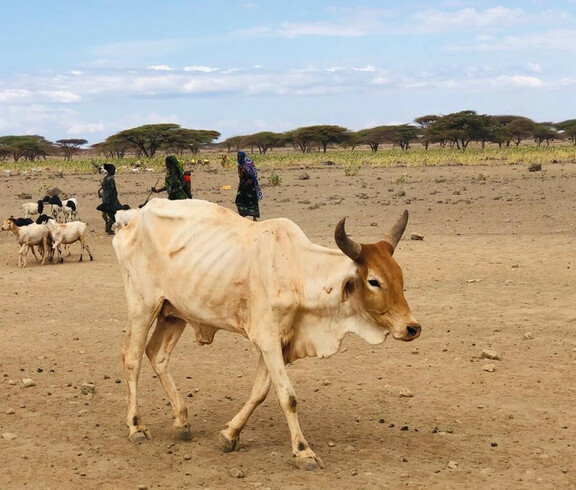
109	195
174	181
249	192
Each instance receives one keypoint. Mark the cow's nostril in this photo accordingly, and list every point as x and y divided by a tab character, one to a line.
413	330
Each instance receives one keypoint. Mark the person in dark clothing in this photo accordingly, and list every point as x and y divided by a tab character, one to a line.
249	192
174	182
109	195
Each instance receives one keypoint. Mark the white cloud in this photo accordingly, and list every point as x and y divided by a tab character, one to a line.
202	69
290	29
26	96
136	49
15	95
76	72
521	81
362	22
368	68
470	18
59	96
86	128
535	67
160	68
35	119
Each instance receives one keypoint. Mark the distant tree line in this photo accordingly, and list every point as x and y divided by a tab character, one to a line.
456	130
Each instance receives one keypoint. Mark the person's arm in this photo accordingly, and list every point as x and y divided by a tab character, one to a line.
153	189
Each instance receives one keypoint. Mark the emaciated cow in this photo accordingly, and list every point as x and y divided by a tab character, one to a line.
198	263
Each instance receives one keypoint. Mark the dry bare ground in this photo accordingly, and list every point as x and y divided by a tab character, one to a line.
496	271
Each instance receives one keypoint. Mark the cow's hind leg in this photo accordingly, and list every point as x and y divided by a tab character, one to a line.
229	437
160	346
141	317
306	459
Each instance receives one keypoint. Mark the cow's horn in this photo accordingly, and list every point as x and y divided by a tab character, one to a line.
396	232
351	248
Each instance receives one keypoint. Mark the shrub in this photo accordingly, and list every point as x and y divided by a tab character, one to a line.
352	168
274	180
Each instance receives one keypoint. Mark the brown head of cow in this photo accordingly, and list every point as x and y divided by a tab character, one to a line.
379	285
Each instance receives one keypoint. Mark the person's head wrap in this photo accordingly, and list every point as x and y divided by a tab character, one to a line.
110	168
172	161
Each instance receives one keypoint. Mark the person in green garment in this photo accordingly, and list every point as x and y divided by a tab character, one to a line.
174	182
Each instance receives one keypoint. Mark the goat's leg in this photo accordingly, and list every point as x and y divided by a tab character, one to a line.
84	246
230	436
34	252
140	318
272	353
56	248
159	348
22	255
44	249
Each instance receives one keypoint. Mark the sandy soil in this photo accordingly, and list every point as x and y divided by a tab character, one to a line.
496	270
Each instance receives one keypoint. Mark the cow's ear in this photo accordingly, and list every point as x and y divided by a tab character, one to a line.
348	287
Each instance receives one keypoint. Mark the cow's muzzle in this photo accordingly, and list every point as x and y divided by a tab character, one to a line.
412	331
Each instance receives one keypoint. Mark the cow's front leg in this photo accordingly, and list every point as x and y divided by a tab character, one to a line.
229	437
160	346
306	459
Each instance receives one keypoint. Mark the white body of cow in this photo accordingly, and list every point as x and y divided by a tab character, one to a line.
193	262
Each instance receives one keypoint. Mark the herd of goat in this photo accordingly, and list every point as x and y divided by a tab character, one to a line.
56	225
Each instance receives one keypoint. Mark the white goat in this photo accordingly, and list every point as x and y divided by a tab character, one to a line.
66	234
123	217
70	209
27	237
33	208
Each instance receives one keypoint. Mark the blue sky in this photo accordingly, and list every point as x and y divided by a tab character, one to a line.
89	68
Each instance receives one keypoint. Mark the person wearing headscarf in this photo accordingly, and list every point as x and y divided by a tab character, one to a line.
249	192
109	195
174	182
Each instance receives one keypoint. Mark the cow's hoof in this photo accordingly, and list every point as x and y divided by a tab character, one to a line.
309	464
184	433
139	436
228	445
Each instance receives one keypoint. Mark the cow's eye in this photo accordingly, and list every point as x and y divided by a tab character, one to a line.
374	282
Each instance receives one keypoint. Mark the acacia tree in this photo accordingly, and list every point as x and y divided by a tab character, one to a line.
569	128
264	141
27	147
461	128
545	132
498	126
424	123
324	135
404	134
234	142
148	138
70	147
518	129
374	137
113	147
181	139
